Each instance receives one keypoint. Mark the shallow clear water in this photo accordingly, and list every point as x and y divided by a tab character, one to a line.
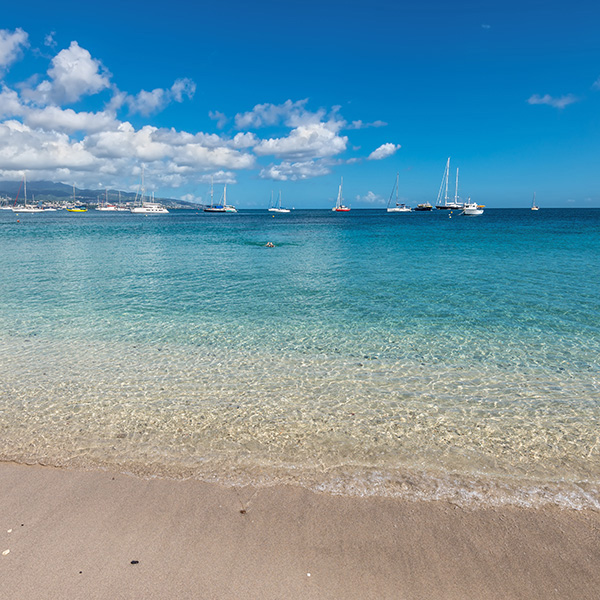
414	355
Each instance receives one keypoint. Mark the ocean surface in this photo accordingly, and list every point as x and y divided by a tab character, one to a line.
422	355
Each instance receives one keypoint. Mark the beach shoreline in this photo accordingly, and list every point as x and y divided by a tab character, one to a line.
78	534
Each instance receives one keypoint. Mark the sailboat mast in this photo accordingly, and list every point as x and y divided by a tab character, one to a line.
211	190
456	189
25	190
225	195
447	172
397	192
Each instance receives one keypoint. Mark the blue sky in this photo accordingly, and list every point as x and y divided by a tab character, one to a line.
293	95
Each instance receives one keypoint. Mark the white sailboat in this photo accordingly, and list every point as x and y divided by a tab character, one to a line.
107	206
148	208
339	204
447	204
25	208
277	208
221	207
398	207
534	206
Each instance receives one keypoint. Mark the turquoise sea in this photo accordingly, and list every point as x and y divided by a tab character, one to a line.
422	355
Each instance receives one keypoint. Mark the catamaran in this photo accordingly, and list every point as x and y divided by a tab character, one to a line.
25	208
277	206
398	208
339	204
534	206
147	208
448	204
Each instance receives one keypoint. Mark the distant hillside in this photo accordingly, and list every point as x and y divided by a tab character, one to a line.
49	191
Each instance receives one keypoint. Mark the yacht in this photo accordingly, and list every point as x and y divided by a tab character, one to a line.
147	208
339	204
448	204
277	206
398	207
471	209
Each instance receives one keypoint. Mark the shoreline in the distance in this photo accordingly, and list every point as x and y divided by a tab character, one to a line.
76	534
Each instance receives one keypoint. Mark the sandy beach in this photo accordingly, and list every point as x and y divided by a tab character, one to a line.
70	534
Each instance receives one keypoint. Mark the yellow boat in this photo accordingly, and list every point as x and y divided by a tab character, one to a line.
77	209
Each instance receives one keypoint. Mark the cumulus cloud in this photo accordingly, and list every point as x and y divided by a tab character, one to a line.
11	45
22	147
73	74
551	101
304	142
147	103
53	118
287	171
384	151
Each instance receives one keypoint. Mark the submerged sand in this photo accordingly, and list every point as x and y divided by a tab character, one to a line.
86	535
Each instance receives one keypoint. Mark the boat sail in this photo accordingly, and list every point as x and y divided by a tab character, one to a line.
76	207
339	204
398	208
277	206
25	208
534	206
148	208
107	206
447	204
221	207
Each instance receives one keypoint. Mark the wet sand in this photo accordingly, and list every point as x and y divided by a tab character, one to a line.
76	535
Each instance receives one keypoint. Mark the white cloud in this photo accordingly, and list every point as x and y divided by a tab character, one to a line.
304	142
11	44
287	171
49	40
24	148
596	84
264	115
384	151
219	117
551	101
10	103
371	198
147	103
53	118
361	125
73	74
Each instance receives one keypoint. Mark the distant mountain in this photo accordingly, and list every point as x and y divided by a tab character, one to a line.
49	191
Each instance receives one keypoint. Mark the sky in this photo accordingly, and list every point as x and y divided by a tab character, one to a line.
293	96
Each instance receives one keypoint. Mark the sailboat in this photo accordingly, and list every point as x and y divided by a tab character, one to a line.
534	206
76	207
147	208
339	204
398	208
25	208
277	207
219	208
448	204
106	206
